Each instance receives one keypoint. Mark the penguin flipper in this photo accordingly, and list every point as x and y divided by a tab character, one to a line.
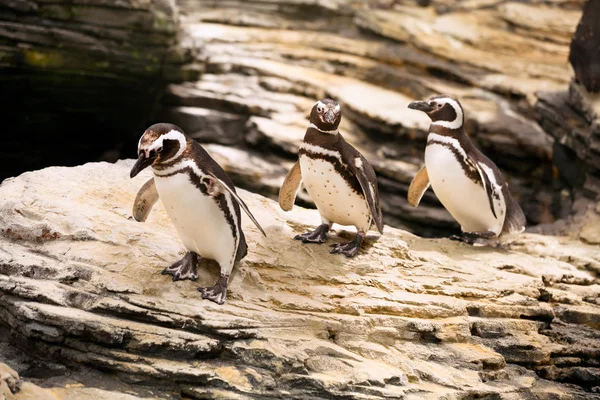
366	177
239	200
493	189
515	220
418	187
145	199
289	188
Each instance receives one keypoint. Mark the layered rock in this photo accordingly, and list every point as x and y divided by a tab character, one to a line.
80	283
81	78
268	62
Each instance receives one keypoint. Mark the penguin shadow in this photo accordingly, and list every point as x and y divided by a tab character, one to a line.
335	236
462	251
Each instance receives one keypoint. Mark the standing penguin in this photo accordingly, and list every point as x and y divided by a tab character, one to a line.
465	181
337	177
199	198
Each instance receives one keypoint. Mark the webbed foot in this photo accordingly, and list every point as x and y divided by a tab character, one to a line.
186	268
349	249
218	292
319	235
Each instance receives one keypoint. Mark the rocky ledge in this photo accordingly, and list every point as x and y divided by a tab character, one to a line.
80	284
83	76
266	63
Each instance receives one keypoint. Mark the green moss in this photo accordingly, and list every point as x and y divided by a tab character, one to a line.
43	58
164	23
105	64
57	12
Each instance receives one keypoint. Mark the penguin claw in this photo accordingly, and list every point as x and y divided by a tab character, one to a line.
184	268
318	236
348	249
216	293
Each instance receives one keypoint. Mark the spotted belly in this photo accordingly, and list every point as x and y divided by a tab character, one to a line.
336	201
200	223
465	200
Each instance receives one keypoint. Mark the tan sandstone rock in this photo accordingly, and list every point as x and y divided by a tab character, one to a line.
80	282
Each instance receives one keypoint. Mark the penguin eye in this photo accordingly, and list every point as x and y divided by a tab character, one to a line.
159	149
439	105
320	109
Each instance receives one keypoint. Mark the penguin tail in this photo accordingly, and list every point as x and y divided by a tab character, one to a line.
515	218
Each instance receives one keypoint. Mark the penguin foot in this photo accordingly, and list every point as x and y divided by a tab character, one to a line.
319	235
471	237
349	249
184	268
218	292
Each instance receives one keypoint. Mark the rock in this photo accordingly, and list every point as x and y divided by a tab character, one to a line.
573	119
265	63
75	68
269	63
583	54
80	283
10	382
13	388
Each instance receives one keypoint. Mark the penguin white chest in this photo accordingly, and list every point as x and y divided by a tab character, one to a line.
200	223
465	200
333	196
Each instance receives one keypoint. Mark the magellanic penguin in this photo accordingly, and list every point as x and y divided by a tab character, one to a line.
337	177
467	183
199	198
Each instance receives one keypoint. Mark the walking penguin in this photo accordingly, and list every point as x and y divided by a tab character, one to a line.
337	177
467	183
200	200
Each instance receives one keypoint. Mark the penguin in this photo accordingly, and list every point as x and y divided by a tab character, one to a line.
337	177
467	183
200	200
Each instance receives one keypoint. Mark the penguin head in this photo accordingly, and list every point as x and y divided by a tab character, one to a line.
159	143
326	115
444	110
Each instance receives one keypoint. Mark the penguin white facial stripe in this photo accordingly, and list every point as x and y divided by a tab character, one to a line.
333	132
458	121
171	135
311	148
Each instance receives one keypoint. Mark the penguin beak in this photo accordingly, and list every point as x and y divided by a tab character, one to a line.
330	116
421	106
141	163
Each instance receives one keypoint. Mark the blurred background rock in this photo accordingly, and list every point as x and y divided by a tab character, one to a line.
81	79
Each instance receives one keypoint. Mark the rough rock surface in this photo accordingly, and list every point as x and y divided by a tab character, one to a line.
13	388
81	78
267	62
408	318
